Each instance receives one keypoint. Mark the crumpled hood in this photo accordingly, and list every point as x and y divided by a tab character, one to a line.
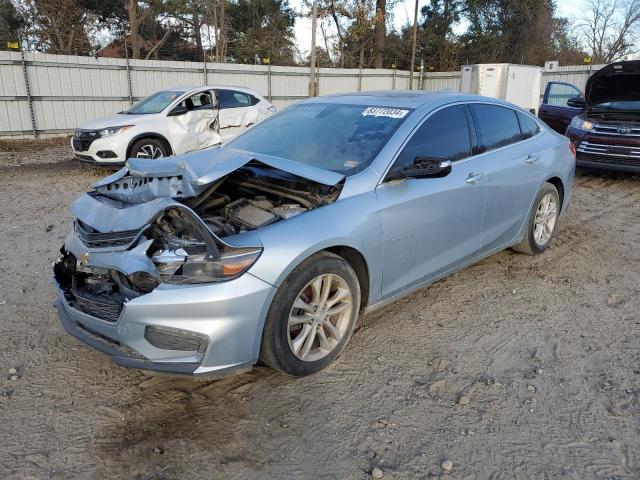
115	120
617	82
184	176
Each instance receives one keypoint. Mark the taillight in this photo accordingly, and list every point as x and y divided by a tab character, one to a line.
572	147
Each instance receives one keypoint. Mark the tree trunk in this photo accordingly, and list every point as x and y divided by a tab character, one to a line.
223	33
159	44
380	32
197	25
134	28
215	30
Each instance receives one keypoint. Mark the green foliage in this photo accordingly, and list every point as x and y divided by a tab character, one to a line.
261	28
246	31
10	23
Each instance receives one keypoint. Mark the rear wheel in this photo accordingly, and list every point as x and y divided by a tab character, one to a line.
543	222
148	148
312	316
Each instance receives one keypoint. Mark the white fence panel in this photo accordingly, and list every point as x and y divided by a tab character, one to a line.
69	90
441	81
336	80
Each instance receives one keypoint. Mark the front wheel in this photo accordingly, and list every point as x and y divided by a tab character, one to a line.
148	148
543	222
312	316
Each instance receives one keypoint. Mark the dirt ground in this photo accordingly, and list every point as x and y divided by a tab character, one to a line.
546	350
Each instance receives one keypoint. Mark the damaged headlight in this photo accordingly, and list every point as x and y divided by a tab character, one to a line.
188	253
178	266
105	132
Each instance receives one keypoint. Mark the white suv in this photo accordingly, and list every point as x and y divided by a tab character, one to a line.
170	122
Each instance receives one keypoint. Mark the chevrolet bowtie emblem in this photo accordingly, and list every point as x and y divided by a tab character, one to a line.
84	258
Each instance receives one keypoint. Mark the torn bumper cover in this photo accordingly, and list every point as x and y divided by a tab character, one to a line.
210	329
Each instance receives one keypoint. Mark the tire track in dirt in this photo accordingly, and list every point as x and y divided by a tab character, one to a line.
391	401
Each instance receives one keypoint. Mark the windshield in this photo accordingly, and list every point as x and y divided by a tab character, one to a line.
154	103
338	137
625	106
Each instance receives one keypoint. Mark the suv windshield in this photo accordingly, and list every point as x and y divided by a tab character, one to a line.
340	137
154	103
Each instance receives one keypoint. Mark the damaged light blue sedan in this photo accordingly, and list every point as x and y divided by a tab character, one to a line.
269	247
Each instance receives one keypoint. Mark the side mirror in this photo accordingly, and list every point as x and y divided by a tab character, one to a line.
577	102
423	167
177	111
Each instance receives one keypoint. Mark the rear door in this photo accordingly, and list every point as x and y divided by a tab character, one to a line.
511	159
554	110
237	112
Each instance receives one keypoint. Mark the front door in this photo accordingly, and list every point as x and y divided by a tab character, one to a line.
554	110
431	225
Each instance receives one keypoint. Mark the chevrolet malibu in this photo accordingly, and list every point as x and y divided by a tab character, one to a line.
270	247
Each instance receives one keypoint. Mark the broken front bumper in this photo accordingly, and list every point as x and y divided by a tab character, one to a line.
228	317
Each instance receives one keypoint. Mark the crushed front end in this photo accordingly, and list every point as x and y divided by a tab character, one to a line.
155	272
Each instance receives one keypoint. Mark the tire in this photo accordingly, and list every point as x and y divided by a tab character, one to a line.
534	243
148	148
283	345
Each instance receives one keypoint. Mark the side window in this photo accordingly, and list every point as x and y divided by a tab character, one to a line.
528	126
559	93
233	99
254	100
496	126
198	101
445	134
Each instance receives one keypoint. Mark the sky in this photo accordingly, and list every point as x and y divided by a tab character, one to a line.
402	14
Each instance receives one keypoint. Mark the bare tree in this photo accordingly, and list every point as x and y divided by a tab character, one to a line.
611	28
380	32
56	26
339	12
137	16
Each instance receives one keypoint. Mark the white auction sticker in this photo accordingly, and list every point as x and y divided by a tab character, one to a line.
385	112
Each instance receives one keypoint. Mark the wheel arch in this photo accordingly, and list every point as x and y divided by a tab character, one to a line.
154	135
357	261
557	182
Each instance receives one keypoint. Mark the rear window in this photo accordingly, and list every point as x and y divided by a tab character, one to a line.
528	126
233	99
496	126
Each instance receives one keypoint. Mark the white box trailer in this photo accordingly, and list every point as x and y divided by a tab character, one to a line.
519	84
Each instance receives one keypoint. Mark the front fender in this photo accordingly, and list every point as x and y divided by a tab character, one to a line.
353	222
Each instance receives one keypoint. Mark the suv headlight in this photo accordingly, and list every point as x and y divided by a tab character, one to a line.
581	123
105	132
186	252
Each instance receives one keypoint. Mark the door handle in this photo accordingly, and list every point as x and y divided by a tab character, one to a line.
473	178
532	158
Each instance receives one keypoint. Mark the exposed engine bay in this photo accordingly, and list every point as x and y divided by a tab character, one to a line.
181	243
234	206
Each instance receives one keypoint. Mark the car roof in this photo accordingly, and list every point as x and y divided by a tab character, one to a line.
404	98
191	88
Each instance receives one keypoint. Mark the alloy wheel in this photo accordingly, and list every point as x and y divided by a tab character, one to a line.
545	219
319	318
149	151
